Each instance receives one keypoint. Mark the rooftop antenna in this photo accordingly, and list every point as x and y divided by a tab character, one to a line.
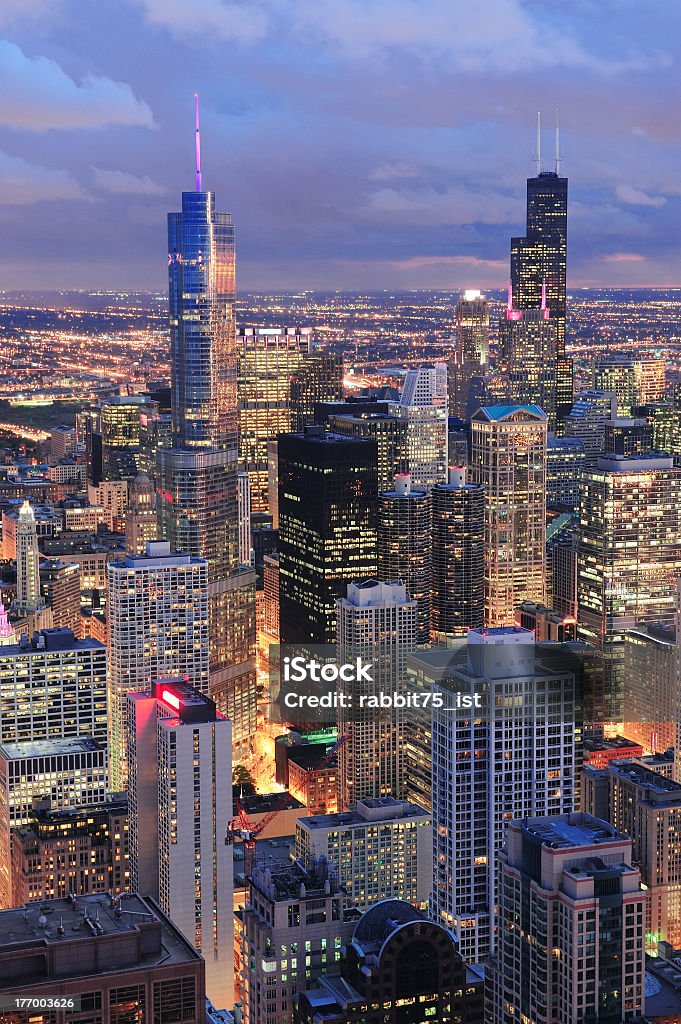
537	158
198	142
557	144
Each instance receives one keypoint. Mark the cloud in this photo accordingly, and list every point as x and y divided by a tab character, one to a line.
390	171
430	206
623	257
123	183
637	197
490	37
22	183
420	262
245	22
36	94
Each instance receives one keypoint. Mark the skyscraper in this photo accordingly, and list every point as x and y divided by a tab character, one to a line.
180	807
158	629
389	433
528	341
571	925
423	404
539	262
509	460
376	622
197	477
591	411
405	546
629	556
458	560
470	350
565	460
320	379
513	757
327	528
29	598
141	522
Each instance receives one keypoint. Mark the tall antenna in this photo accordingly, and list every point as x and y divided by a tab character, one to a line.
198	142
537	158
557	144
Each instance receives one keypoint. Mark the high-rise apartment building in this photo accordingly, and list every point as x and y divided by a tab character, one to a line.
180	807
197	477
565	461
509	460
269	358
634	381
380	849
571	925
158	629
470	350
404	545
423	404
629	556
511	755
327	528
458	558
377	623
295	922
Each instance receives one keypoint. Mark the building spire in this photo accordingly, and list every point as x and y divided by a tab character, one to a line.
537	158
198	142
557	144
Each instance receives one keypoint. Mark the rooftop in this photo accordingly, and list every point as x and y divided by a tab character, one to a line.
566	831
384	808
50	747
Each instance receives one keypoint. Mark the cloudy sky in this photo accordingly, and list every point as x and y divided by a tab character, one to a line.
358	143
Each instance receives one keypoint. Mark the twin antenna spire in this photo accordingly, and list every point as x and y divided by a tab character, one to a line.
198	142
537	157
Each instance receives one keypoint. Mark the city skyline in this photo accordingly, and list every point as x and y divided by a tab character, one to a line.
392	150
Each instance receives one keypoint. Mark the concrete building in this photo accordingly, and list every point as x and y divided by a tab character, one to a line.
423	404
591	410
180	804
141	523
158	629
571	925
380	849
651	686
515	756
117	959
377	623
77	850
29	599
404	545
60	588
545	623
458	559
294	924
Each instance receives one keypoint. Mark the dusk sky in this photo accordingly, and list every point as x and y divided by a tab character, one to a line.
359	144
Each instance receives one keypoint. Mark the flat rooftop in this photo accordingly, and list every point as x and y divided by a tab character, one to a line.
645	777
566	831
38	924
46	748
385	808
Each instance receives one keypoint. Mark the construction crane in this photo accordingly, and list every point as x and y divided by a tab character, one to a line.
241	828
331	753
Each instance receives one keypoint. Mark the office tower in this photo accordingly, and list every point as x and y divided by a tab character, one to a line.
320	379
396	959
515	756
76	850
458	559
60	588
158	629
539	264
48	524
63	441
141	522
271	596
626	436
546	624
91	553
29	598
423	405
197	477
629	556
119	437
294	924
389	433
381	849
404	545
327	528
112	497
118	961
180	806
53	687
527	358
561	564
665	420
634	381
269	358
509	460
590	412
650	686
470	350
377	623
565	460
273	480
245	544
571	924
646	806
